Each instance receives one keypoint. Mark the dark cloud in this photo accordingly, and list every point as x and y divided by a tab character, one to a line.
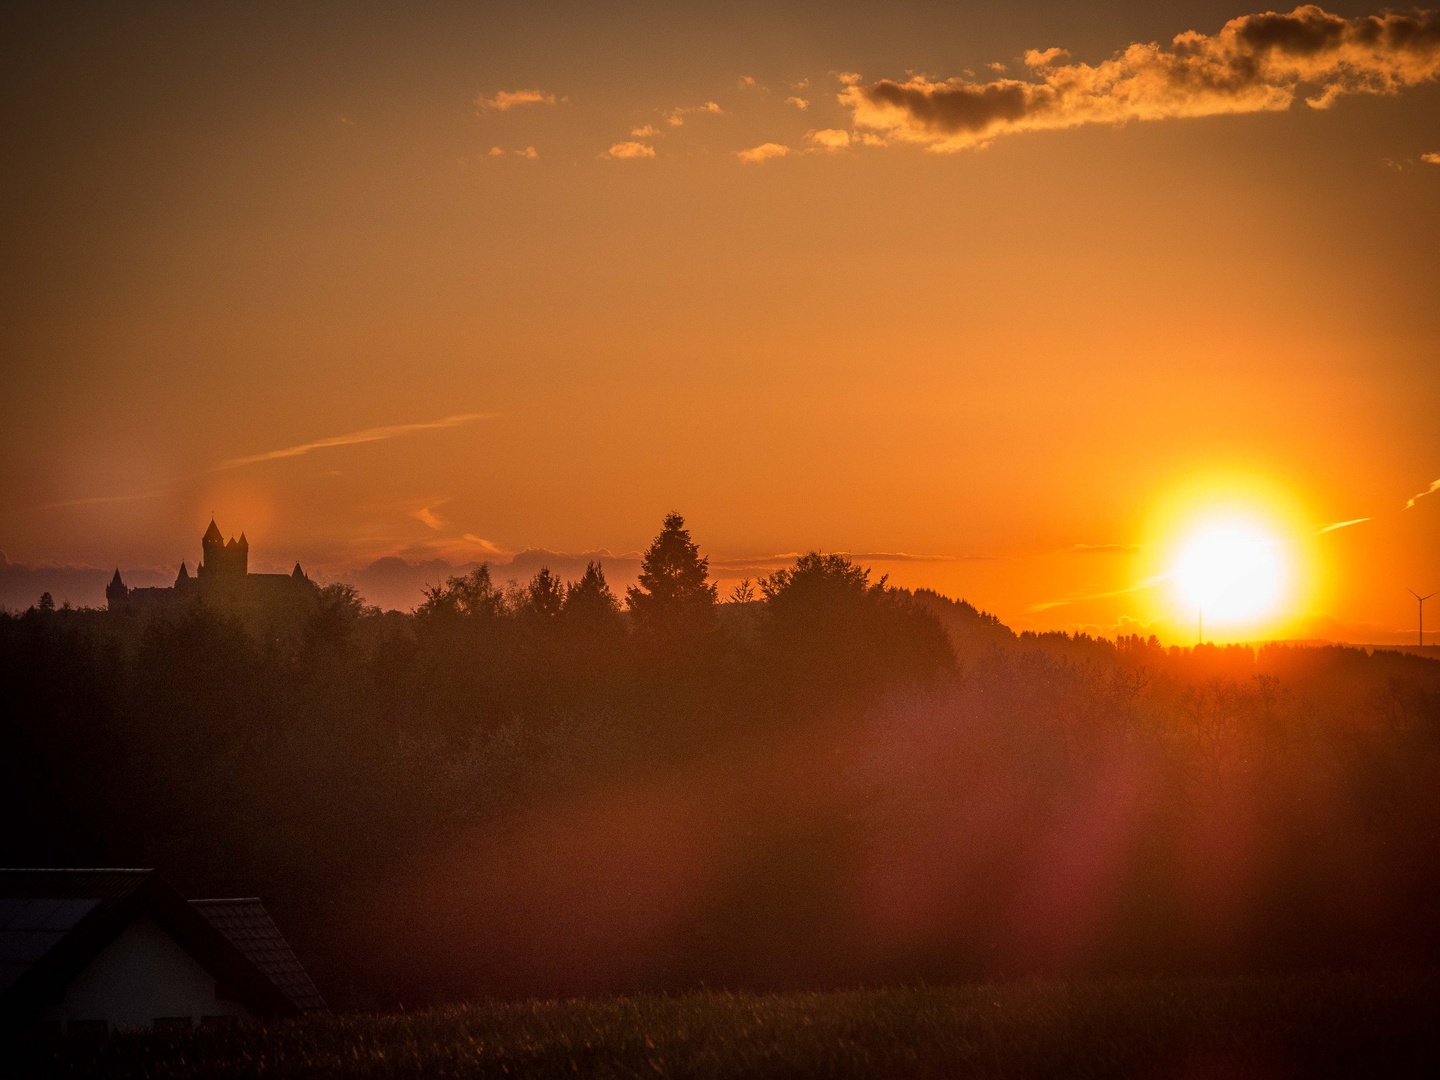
963	107
619	569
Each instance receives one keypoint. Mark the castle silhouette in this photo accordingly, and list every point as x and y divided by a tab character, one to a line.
223	574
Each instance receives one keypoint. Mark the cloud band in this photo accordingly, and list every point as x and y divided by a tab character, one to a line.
1256	63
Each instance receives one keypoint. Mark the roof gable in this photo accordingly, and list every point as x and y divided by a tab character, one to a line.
98	905
31	927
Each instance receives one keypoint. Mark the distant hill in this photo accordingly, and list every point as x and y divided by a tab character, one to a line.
1432	651
78	586
971	631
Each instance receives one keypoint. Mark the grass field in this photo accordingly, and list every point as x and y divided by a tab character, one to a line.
1347	1025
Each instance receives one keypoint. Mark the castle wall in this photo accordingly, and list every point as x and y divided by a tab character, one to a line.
145	599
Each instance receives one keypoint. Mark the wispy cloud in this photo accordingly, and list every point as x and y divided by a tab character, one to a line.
623	151
1434	487
760	562
484	545
1102	549
100	500
1341	525
1432	159
908	556
1255	63
369	435
1139	586
645	131
757	155
799	103
505	100
427	516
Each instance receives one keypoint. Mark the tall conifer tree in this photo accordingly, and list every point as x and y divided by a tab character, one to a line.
674	602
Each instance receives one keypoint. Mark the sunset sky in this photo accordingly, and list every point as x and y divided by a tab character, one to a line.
1010	300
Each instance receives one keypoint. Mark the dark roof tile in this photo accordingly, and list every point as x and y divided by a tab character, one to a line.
248	926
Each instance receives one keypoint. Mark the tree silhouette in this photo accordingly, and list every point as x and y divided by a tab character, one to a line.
826	580
674	603
742	593
589	601
830	631
544	596
473	594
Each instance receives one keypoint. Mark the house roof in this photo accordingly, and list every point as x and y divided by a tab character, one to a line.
31	927
39	908
54	922
248	926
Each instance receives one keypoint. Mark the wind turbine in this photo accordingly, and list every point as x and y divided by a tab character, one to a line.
1421	600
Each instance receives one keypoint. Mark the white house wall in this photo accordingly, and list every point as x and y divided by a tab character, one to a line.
141	976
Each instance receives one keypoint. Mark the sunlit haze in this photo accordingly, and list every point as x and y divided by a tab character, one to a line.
1232	572
719	539
972	292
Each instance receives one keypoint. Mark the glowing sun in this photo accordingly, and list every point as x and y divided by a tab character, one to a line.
1231	572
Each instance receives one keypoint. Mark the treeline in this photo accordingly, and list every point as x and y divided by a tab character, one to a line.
816	781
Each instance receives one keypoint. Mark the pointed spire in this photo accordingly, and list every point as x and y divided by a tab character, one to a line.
243	542
298	573
212	534
184	574
116	594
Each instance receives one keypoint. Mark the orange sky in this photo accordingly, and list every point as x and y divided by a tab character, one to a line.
1009	343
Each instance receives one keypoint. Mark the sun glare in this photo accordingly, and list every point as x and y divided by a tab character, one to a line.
1232	572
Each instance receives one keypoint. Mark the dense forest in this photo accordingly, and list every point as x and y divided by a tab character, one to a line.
817	781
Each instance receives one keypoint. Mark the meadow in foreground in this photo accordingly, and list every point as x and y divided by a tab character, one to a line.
1342	1025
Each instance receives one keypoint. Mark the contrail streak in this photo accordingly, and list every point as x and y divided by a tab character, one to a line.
1341	525
378	434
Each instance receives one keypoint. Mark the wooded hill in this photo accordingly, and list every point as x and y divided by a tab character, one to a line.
550	789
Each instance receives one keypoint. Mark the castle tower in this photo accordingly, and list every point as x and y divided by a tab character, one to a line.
116	594
212	549
242	555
